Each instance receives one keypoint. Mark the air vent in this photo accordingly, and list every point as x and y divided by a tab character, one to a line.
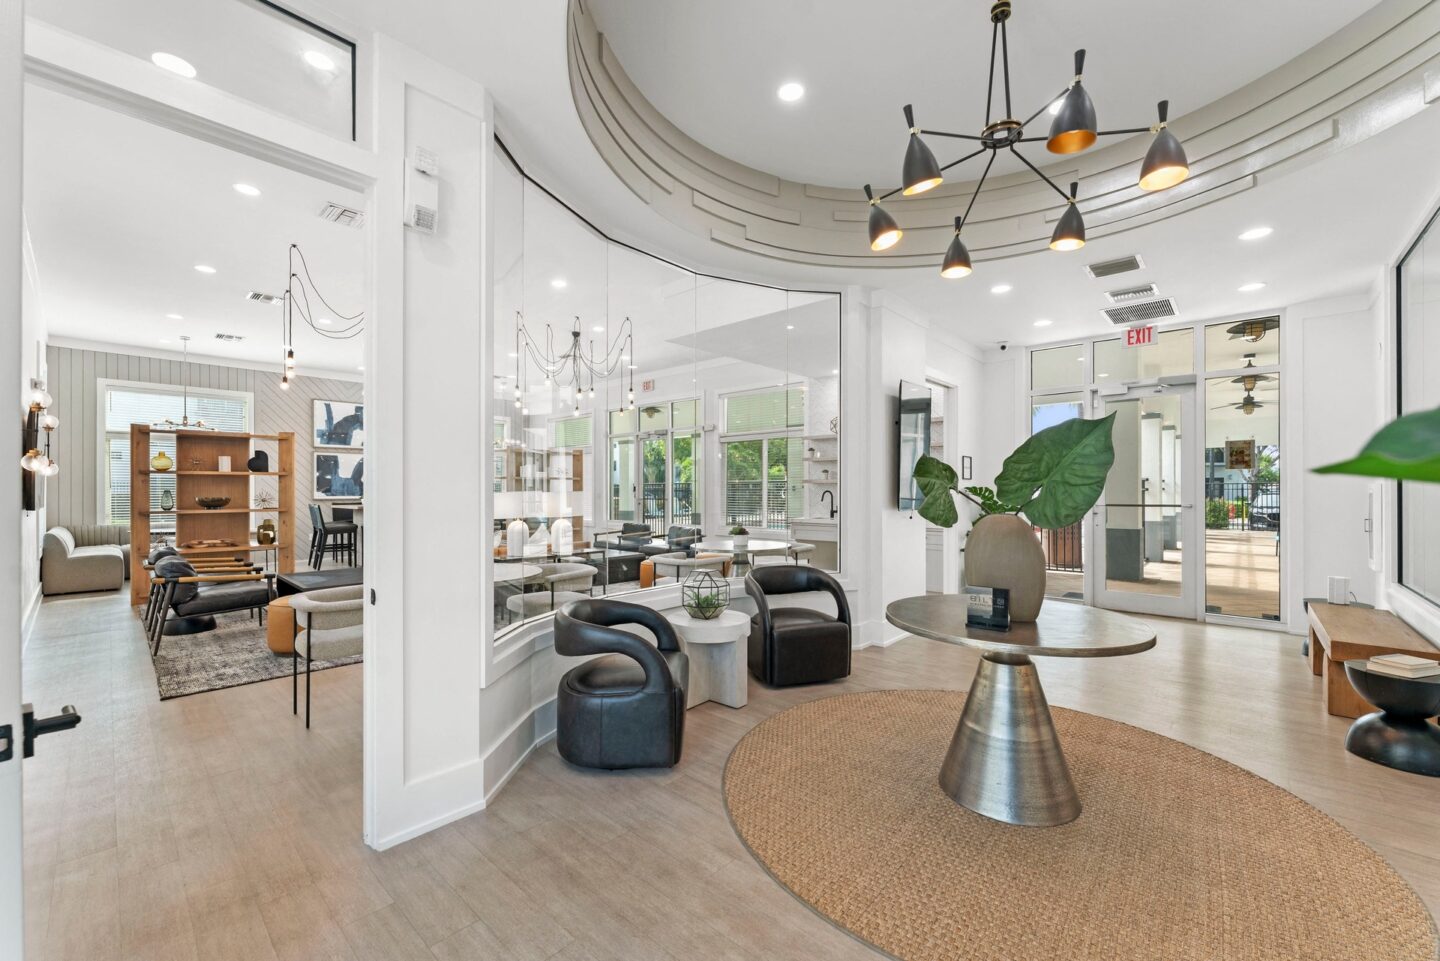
1127	294
260	298
342	215
1120	265
230	338
1143	312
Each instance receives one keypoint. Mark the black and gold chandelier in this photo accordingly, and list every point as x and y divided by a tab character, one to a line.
572	365
1072	130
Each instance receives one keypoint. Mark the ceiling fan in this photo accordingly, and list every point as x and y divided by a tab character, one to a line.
1251	331
1247	406
1248	381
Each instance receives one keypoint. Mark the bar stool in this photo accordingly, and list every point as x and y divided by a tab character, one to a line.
336	538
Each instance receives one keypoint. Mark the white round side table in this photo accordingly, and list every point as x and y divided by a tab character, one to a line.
717	650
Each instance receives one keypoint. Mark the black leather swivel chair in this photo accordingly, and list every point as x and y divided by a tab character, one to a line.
627	709
796	645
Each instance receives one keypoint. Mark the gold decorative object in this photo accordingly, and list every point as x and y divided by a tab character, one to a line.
161	462
265	532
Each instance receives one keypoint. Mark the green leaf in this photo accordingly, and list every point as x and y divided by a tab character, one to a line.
1058	474
1406	449
936	480
989	503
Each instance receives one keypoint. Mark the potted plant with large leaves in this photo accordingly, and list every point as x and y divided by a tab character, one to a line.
1053	479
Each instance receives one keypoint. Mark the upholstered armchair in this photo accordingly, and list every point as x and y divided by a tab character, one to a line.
210	565
332	625
626	709
192	598
66	567
797	645
678	538
631	536
559	583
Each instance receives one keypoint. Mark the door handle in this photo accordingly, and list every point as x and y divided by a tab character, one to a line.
34	727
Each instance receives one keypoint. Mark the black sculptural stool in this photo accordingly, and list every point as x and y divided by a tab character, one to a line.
1399	735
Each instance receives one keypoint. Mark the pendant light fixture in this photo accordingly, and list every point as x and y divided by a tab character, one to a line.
298	289
1072	130
884	231
1070	231
1165	164
957	258
921	170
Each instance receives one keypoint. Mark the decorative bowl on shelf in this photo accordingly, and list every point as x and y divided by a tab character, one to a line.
212	503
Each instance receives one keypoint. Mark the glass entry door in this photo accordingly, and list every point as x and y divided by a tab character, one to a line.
1146	529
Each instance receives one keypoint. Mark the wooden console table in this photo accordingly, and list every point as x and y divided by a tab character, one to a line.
1344	632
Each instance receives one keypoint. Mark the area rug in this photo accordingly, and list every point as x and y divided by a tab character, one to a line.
1177	854
233	654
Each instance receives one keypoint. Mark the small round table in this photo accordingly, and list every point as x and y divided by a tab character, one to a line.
717	652
1005	760
742	555
1399	735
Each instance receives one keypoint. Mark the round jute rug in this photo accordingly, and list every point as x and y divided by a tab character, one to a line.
1177	854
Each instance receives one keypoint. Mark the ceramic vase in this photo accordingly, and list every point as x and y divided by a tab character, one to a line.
161	462
260	463
167	500
742	541
562	536
516	535
265	533
1003	551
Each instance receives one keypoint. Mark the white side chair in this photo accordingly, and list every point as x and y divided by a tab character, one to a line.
332	625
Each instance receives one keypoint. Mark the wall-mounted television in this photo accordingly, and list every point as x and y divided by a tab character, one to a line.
914	439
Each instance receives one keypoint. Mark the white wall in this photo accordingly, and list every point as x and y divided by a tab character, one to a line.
32	367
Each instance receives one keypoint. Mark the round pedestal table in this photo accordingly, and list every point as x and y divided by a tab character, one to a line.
1005	760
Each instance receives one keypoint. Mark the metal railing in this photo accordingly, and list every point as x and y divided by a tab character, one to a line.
1063	548
1242	505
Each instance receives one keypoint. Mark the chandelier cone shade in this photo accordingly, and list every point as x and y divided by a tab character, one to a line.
1165	164
921	170
957	258
1070	231
884	231
1073	128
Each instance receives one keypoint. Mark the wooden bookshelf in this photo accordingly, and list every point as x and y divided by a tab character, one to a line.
197	474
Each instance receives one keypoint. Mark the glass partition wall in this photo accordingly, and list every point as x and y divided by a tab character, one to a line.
1418	349
636	402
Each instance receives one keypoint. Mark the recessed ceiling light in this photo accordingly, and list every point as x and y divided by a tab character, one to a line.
1001	289
512	354
164	341
361	367
246	190
790	91
1081	358
319	60
789	326
1043	323
173	317
323	320
634	367
598	328
168	61
835	371
205	268
1251	287
1102	375
559	283
1255	233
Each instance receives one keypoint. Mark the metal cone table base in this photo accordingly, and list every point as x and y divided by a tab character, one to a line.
1005	760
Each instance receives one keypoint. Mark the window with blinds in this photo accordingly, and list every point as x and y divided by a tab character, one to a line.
130	404
571	432
762	411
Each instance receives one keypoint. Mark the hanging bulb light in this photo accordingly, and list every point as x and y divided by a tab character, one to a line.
285	381
40	398
884	231
1165	164
592	391
1070	231
1073	128
51	469
920	171
957	258
31	460
289	358
49	422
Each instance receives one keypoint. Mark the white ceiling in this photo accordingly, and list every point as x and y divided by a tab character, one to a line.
713	69
120	211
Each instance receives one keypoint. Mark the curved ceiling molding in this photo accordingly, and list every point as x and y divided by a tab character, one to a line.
1380	70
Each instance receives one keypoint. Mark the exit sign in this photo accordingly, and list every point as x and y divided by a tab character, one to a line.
1140	336
647	386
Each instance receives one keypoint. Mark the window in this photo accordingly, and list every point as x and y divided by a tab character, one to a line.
125	404
1057	367
571	432
1418	348
1173	352
761	490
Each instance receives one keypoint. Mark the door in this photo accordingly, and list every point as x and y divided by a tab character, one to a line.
623	490
654	457
684	477
1147	536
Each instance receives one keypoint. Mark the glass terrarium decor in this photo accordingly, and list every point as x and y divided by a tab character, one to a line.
705	595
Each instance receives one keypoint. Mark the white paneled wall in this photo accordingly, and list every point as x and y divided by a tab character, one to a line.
73	496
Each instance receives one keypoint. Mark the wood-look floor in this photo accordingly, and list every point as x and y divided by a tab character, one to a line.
216	827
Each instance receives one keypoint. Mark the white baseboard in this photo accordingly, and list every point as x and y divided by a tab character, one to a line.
517	744
27	619
415	831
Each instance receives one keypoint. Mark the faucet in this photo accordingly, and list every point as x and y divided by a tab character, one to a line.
831	495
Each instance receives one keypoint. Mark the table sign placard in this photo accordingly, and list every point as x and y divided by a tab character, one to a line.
987	607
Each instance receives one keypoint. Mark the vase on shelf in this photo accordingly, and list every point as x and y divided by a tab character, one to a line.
265	532
260	463
161	462
167	500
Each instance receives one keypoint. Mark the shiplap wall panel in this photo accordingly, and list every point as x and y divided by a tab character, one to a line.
74	494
